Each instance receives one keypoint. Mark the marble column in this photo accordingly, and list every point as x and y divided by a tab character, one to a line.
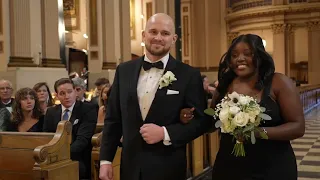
125	35
25	28
223	27
50	35
201	30
213	33
4	34
168	7
231	36
283	47
313	52
109	33
108	36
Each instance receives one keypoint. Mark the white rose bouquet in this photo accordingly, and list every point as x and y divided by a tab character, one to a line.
240	116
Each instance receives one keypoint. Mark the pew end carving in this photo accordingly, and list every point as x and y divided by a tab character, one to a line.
95	160
37	156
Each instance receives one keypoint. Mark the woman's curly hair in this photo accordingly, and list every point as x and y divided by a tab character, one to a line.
261	60
17	114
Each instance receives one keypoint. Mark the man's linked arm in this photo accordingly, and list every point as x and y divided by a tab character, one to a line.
181	134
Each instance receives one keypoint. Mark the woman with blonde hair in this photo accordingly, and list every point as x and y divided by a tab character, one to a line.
103	101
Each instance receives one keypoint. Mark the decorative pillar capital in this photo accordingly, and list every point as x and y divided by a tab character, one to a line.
282	28
231	36
313	25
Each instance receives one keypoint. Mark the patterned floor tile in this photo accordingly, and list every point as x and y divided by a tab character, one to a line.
309	158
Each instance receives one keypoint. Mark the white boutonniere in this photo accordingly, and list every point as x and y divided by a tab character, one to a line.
166	79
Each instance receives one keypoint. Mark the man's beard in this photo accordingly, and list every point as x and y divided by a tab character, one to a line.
163	52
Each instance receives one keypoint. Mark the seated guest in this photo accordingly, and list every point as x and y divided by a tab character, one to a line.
83	116
5	117
26	113
105	92
99	84
44	96
73	75
80	87
6	91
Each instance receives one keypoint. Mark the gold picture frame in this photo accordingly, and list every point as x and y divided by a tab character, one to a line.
71	11
132	20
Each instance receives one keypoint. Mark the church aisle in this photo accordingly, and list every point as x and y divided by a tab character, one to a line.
307	148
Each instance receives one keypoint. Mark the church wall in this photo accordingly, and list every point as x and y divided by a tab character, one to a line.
301	45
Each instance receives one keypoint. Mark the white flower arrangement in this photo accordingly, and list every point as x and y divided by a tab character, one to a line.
166	79
240	116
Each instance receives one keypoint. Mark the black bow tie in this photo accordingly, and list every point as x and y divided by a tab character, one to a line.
147	65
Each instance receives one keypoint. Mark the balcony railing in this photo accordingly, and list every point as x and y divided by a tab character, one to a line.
310	97
238	5
297	1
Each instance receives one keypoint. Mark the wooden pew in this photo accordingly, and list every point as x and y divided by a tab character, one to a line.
99	127
95	162
37	156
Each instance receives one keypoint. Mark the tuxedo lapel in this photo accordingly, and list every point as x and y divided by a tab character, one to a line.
156	103
57	115
133	100
171	65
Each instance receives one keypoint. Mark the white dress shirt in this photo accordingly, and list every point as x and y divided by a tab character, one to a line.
148	84
70	110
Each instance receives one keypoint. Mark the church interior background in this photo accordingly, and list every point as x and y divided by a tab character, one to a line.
44	40
49	39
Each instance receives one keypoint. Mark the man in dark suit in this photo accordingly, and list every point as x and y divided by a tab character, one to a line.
83	116
6	103
6	90
144	106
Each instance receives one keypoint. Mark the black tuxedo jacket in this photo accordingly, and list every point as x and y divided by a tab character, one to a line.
8	105
157	161
82	132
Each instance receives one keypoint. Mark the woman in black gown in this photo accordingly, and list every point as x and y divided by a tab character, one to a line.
248	69
26	114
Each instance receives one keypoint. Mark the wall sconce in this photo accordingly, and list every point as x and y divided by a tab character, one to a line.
85	36
264	42
142	44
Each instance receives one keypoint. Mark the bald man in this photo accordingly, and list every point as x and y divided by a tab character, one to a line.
146	112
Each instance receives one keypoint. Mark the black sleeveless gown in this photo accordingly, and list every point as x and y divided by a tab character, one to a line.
265	160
